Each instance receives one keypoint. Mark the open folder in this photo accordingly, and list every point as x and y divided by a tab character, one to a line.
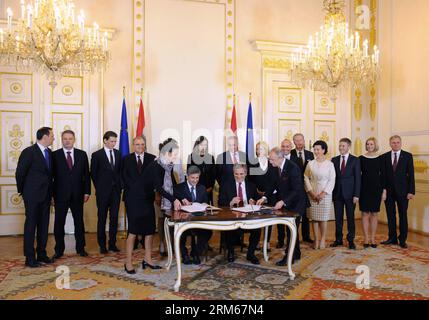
198	207
248	209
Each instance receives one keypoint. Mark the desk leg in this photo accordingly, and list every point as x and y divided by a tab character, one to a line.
266	244
293	231
168	242
177	235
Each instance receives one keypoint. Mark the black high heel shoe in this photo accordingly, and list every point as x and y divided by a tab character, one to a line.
366	245
129	271
145	264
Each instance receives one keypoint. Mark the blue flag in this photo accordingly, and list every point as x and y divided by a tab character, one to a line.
250	141
124	143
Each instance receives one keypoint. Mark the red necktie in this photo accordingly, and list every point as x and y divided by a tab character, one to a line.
395	162
69	160
240	191
343	166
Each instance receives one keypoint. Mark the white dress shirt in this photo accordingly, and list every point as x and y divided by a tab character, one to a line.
71	154
263	163
137	157
346	158
243	188
287	156
108	154
398	154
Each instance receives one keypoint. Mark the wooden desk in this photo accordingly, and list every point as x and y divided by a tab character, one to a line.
226	220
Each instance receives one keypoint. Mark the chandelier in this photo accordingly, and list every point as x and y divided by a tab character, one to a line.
334	57
48	39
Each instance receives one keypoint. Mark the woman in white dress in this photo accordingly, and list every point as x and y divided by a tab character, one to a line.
319	180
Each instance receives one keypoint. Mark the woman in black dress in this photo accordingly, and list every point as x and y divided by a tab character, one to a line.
372	192
201	158
157	178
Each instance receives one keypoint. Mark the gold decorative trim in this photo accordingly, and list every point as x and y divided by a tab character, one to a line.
334	141
358	105
1	137
290	134
324	113
358	147
69	104
421	166
19	74
81	123
300	100
1	204
277	63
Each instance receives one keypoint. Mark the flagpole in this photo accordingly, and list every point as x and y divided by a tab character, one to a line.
124	233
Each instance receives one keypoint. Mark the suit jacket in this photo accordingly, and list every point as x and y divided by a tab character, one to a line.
225	166
33	177
290	188
262	179
229	192
130	173
73	183
402	182
348	185
207	166
309	156
104	177
181	191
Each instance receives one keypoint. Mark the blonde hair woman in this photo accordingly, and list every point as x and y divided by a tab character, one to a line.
372	192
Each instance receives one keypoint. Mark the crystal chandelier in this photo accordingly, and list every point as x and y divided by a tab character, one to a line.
48	39
335	57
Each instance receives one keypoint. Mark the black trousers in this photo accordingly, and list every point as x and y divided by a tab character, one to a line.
391	202
109	205
36	221
232	238
305	226
61	210
297	249
350	207
197	248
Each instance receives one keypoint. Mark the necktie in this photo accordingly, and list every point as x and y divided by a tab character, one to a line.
343	166
194	198
234	159
48	162
69	160
280	172
139	164
395	162
240	191
112	162
301	159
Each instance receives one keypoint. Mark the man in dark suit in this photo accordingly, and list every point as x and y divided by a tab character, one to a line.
225	161
34	183
189	192
302	157
72	188
106	175
399	182
286	193
346	192
234	192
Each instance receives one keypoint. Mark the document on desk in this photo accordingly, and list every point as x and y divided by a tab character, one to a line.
195	207
247	209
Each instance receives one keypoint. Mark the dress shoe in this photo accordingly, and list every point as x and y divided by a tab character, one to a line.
114	249
186	260
231	256
336	244
403	245
83	253
389	242
103	250
280	245
366	245
308	240
196	260
58	256
32	263
145	264
129	271
374	246
352	246
253	259
45	259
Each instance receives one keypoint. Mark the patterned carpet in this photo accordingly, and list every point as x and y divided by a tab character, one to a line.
329	274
